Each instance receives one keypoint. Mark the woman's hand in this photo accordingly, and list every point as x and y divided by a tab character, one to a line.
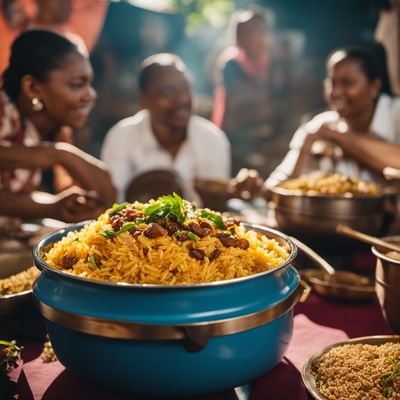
75	204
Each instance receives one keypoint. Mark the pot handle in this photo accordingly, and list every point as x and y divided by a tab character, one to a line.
196	338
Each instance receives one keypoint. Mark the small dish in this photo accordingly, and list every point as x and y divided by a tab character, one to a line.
307	375
342	285
18	312
21	302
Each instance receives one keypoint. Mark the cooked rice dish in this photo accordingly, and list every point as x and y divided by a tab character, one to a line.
165	241
19	282
359	372
330	184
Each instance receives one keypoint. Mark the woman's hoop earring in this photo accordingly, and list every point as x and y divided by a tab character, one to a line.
37	104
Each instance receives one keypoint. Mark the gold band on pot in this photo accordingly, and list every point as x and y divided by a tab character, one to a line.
132	330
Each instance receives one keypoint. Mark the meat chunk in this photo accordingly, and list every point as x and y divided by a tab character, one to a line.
154	230
228	240
198	230
183	236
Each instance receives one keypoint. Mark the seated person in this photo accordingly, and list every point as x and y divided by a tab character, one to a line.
46	89
165	134
250	87
359	137
363	124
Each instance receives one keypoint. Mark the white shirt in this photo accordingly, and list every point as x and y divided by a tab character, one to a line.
385	124
130	148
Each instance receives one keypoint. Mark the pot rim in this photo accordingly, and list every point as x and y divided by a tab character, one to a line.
46	241
386	191
382	256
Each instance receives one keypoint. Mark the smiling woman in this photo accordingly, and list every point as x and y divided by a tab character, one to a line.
46	93
363	124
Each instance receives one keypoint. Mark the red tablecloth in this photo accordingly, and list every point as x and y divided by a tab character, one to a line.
318	323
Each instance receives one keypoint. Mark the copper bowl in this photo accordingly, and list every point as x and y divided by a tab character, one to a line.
387	275
340	286
320	214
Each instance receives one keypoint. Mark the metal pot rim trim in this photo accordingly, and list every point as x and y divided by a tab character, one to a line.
131	330
41	264
295	211
383	256
276	190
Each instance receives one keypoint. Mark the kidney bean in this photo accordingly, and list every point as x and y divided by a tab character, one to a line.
68	262
196	253
215	254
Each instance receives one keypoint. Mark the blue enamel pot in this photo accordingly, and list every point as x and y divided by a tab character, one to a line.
169	341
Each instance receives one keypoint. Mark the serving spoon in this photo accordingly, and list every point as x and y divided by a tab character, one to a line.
363	237
321	262
335	284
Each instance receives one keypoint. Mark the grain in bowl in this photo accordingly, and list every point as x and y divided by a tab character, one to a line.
359	371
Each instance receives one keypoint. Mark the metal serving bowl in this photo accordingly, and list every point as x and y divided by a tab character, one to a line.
18	313
171	341
10	264
387	276
320	214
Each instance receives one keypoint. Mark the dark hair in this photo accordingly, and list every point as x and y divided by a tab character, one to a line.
242	17
152	64
372	64
34	52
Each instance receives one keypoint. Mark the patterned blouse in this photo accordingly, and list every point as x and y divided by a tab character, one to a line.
17	131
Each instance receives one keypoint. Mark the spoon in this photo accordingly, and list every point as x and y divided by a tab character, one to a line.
314	256
363	237
336	285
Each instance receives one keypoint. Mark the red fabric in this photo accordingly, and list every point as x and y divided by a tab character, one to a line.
317	324
218	111
257	69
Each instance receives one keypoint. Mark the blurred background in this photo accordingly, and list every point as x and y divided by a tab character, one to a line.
304	33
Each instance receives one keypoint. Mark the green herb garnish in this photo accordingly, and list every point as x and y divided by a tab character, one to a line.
126	228
92	262
108	234
111	234
9	356
117	207
214	217
388	379
192	236
171	207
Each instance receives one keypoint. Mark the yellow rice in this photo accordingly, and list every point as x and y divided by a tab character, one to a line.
163	260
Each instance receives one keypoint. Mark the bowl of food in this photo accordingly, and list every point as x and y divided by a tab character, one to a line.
340	286
18	312
387	282
317	203
17	274
361	369
164	299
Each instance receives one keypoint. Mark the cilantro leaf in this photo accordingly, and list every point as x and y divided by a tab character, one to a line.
214	217
92	262
171	207
117	207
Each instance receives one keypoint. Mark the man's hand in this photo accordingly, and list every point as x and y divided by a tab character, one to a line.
247	184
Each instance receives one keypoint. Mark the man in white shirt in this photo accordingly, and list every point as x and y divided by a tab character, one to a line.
166	134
